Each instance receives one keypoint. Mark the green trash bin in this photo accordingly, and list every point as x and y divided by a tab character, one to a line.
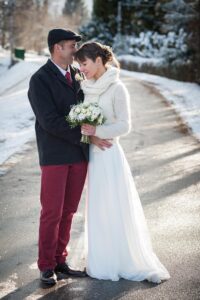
20	53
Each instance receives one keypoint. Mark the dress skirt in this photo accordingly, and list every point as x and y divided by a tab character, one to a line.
118	243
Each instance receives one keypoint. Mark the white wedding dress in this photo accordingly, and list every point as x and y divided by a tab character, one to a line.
118	244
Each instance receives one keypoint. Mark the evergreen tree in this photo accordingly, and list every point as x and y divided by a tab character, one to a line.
167	28
193	28
144	15
178	14
128	16
106	13
136	16
184	15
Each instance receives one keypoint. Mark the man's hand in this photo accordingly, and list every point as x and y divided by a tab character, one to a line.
102	144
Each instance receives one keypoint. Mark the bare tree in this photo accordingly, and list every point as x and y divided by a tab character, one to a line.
25	23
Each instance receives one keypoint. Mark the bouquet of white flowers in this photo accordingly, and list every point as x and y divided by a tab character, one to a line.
85	113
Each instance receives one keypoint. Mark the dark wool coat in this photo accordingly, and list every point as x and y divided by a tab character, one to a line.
50	97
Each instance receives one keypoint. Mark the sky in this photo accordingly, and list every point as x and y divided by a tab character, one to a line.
89	4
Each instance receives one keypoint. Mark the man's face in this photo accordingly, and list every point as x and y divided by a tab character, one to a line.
66	50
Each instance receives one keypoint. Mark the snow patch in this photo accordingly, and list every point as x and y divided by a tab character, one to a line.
9	286
183	96
140	60
16	116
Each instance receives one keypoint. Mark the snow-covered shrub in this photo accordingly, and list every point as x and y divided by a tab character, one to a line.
150	44
96	30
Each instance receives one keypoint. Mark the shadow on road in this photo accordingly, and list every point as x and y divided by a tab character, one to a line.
79	289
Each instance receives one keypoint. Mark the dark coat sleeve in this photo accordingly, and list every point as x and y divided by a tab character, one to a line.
46	113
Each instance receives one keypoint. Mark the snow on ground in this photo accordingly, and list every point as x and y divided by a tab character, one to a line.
16	116
20	72
138	60
183	96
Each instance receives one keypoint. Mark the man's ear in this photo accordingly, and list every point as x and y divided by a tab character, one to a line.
57	47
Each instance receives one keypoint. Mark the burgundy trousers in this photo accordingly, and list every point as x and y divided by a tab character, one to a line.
61	189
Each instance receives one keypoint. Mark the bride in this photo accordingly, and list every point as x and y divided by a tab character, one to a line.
118	241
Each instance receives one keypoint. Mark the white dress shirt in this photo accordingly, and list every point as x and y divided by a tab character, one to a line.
63	71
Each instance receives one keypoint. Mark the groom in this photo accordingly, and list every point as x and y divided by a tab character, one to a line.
63	158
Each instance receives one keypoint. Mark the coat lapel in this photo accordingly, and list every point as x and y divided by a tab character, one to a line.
60	75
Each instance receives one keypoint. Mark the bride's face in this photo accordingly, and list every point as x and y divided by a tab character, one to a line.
90	68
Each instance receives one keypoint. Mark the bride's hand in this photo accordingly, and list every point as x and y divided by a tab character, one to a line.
87	129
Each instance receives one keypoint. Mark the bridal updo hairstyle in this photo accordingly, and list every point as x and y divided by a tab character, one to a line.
92	50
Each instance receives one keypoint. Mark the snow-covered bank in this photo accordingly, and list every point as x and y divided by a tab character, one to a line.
138	60
21	71
183	96
16	116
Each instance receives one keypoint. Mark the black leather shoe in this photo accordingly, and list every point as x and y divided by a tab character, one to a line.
48	277
66	270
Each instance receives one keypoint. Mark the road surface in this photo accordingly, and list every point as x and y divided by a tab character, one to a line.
165	163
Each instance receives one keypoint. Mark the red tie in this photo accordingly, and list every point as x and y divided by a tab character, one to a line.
68	77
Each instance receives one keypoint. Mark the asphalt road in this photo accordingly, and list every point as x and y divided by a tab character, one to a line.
165	163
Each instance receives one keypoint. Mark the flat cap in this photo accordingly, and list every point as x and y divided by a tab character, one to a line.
57	35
